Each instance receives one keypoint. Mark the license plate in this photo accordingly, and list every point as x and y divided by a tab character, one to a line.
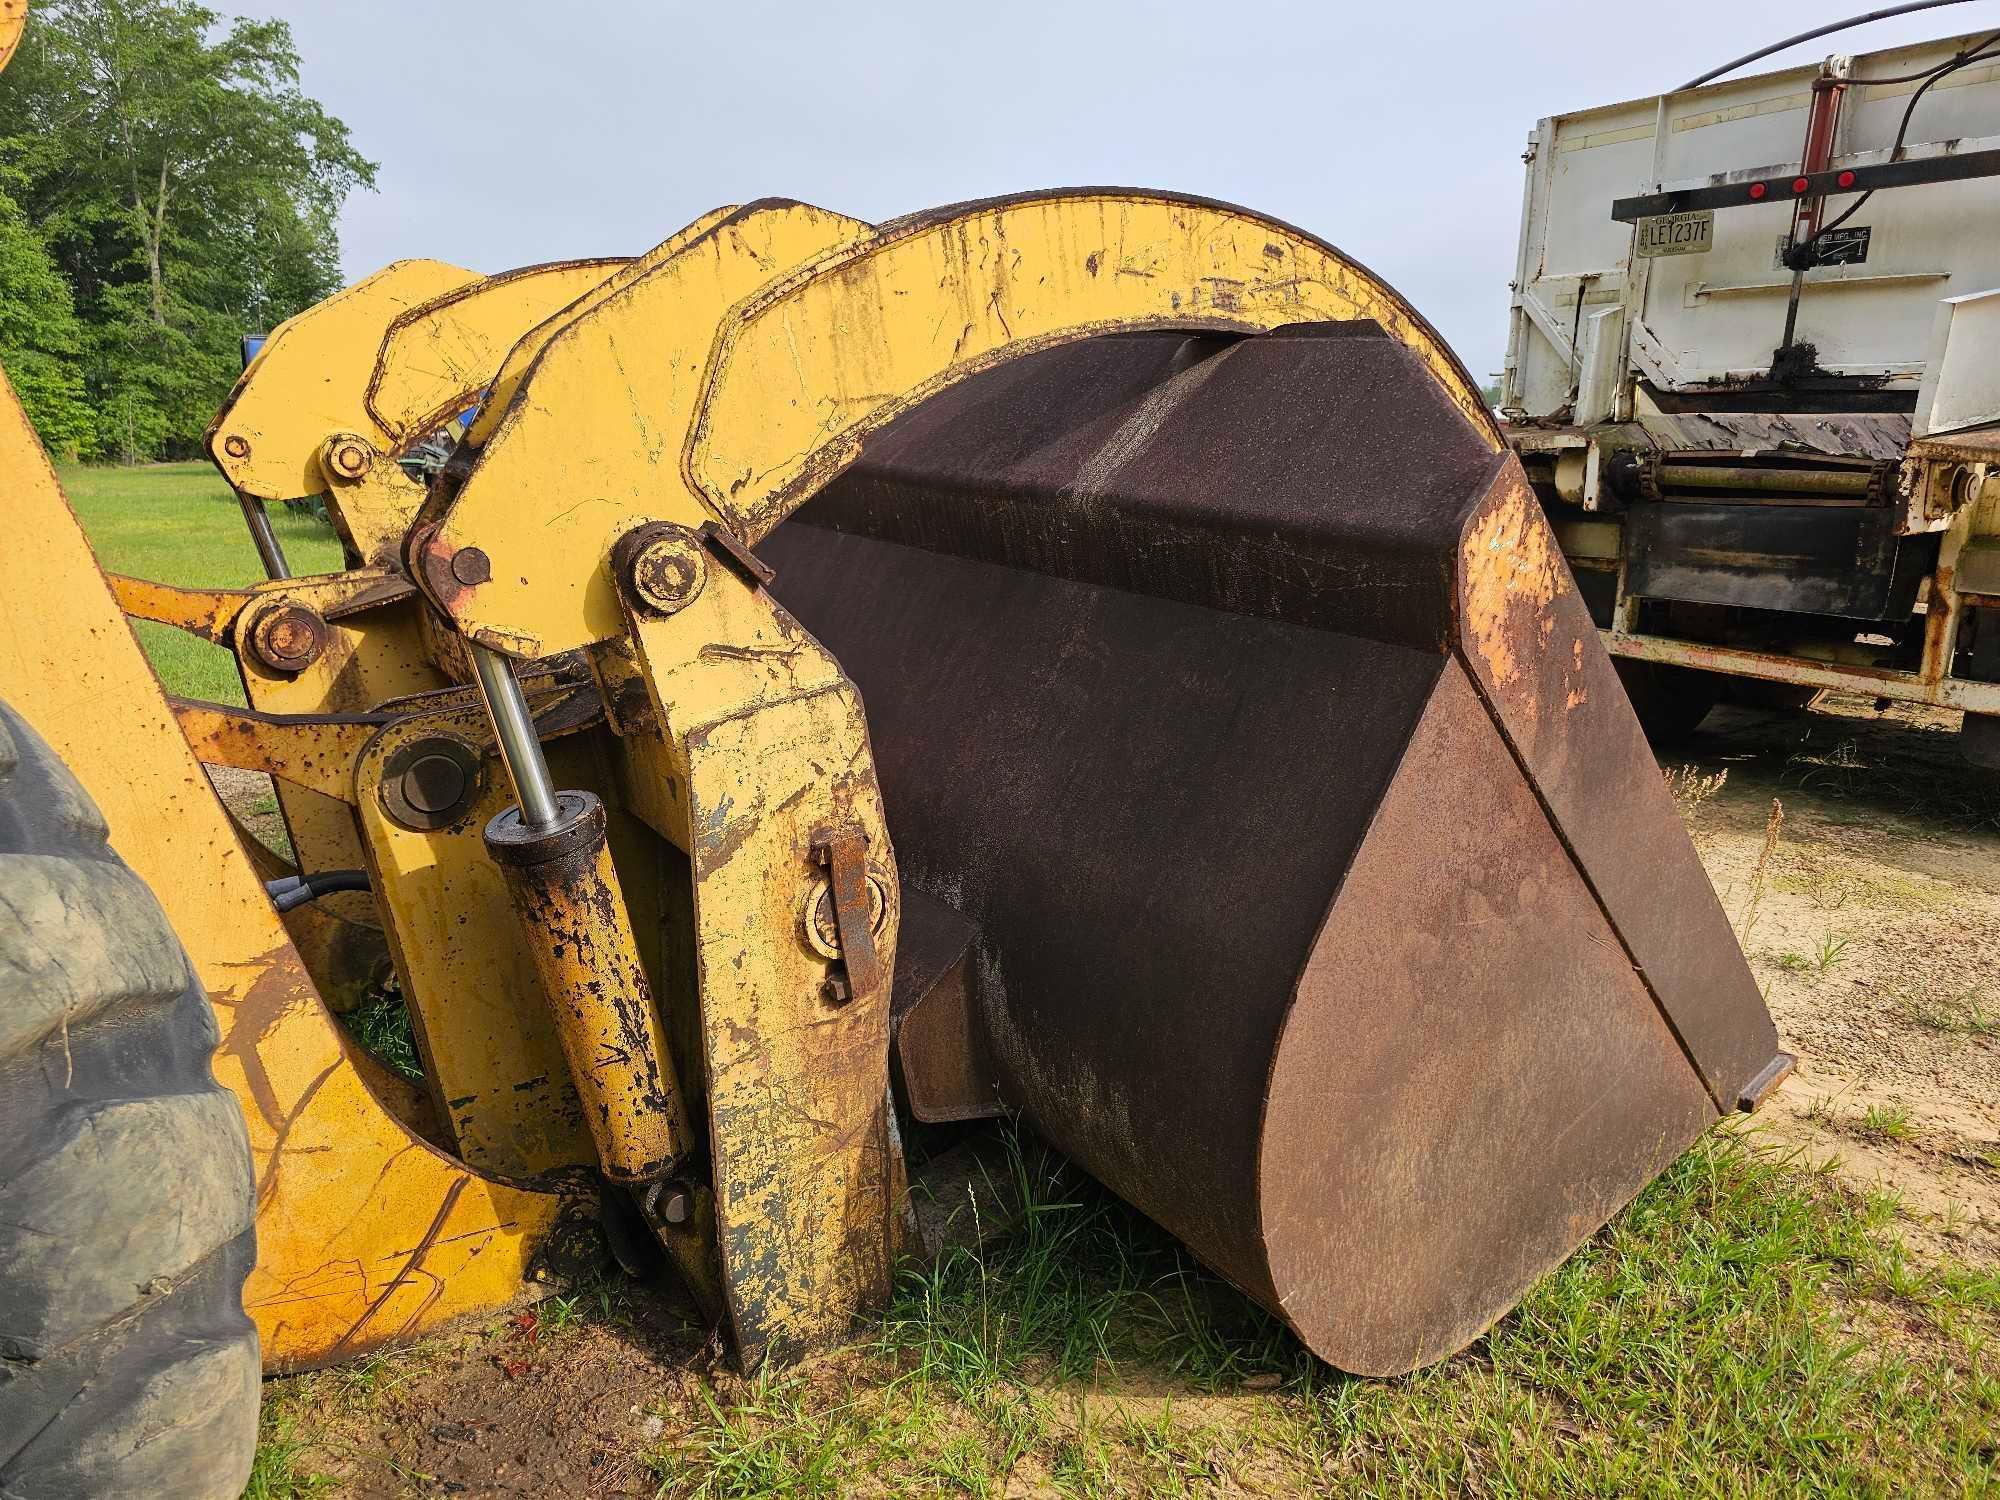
1690	233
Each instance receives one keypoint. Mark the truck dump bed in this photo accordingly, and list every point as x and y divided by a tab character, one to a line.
1703	319
1753	373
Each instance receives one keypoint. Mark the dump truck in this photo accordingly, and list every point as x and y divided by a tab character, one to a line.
1084	662
1751	375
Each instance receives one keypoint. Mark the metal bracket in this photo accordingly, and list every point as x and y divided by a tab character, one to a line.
314	751
845	857
738	558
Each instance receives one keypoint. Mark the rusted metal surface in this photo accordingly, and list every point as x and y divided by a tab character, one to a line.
207	613
843	854
1742	661
1974	445
938	1029
1117	604
927	302
579	933
1797	522
287	637
1116	610
1873	435
811	332
1554	694
1852	483
1485	1123
316	752
660	567
1782	554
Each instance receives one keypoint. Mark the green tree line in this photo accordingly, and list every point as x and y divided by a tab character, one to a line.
165	188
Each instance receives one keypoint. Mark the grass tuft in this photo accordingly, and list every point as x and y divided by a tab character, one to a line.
381	1023
1967	1013
280	1470
1885	1122
1691	789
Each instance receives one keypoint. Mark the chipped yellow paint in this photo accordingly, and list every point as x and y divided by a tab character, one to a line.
436	357
810	366
385	362
207	613
768	742
1510	565
365	1233
13	17
724	376
374	652
586	448
492	1062
521	358
314	753
579	932
656	406
725	383
310	379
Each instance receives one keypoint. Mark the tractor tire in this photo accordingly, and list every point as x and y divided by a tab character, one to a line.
1670	701
127	1366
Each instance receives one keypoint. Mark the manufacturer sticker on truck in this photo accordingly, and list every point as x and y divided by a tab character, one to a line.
1677	234
1832	247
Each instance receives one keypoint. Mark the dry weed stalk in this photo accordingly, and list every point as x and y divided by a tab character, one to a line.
1772	825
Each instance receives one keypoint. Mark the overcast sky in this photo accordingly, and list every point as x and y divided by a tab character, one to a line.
515	131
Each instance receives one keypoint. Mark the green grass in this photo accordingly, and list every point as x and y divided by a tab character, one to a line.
381	1023
1747	1327
281	1469
1968	1013
1886	1122
180	524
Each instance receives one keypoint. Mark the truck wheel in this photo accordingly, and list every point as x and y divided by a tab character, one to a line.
1670	701
127	1366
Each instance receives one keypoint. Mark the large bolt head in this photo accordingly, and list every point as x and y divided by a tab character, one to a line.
288	638
348	456
676	1204
434	783
660	567
471	566
431	782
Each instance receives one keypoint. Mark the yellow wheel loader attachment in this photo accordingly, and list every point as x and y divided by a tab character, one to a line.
342	391
1278	840
336	399
1242	798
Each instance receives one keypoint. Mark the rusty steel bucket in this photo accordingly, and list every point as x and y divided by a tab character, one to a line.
1277	840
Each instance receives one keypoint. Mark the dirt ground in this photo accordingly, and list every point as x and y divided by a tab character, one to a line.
1874	927
1868	903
